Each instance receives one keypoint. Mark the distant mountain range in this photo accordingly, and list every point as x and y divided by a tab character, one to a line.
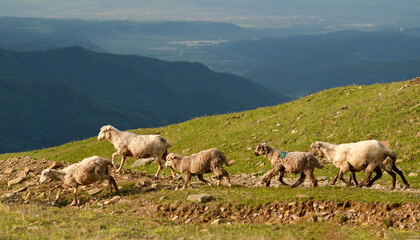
50	97
304	64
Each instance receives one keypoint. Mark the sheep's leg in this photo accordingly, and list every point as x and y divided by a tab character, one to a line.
281	178
113	183
369	172
75	199
201	178
335	179
353	177
340	176
311	177
401	175
187	180
219	179
394	178
300	181
225	174
113	157
174	176
270	175
377	176
160	167
122	163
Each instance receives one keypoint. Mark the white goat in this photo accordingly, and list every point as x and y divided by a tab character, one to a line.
355	157
128	144
85	172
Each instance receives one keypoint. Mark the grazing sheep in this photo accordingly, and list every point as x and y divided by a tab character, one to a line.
387	165
128	144
206	161
85	172
292	162
364	156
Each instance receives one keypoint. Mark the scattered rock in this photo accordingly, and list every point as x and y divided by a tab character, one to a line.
8	170
20	189
215	221
412	174
94	191
277	215
294	131
113	200
141	162
15	181
199	198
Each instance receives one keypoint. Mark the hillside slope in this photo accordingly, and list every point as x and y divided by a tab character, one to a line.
386	112
44	113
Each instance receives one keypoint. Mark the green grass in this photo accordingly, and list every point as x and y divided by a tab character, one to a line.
34	222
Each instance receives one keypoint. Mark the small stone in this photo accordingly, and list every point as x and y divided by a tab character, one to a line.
412	174
26	169
8	170
94	191
302	196
200	198
215	221
188	220
8	195
15	181
294	131
113	200
278	215
56	165
20	189
175	218
141	162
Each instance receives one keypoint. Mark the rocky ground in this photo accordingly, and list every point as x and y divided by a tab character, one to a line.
19	178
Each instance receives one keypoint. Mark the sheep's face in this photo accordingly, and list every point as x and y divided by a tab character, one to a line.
45	175
316	149
104	132
171	158
261	149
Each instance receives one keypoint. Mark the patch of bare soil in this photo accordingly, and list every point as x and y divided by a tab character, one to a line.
19	178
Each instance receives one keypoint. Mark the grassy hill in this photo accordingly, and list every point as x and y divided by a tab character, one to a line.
386	112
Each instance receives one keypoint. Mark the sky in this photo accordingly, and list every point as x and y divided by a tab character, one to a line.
349	10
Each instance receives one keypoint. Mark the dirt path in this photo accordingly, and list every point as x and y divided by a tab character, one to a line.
19	178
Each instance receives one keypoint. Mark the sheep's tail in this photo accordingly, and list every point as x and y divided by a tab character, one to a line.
227	163
165	154
391	154
318	164
230	163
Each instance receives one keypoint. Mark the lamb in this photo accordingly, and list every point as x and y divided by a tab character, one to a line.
290	162
206	161
85	172
364	156
129	144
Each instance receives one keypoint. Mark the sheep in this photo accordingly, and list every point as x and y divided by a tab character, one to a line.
387	165
128	144
290	162
206	161
85	172
364	156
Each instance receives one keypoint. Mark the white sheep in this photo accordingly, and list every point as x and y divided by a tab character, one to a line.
128	144
85	172
210	160
290	162
364	156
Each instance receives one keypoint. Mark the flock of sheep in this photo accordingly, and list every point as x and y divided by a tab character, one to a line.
368	156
